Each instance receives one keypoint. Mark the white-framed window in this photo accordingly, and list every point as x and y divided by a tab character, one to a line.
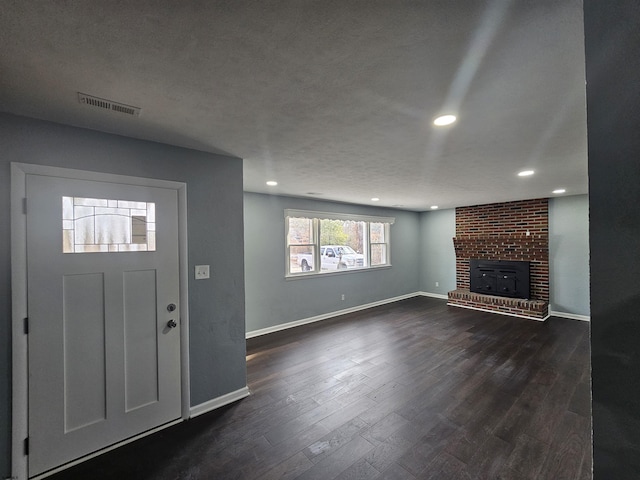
321	242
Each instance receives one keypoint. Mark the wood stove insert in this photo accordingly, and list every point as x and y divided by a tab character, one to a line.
499	277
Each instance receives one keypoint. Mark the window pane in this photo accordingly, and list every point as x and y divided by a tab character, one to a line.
84	227
90	202
301	259
379	254
138	229
113	225
377	233
67	208
346	239
300	231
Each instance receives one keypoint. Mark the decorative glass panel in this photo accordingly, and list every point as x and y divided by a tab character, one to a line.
104	225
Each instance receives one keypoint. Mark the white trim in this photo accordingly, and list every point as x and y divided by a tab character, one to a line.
498	312
330	273
183	259
19	363
105	450
434	295
290	212
20	396
324	316
571	316
219	402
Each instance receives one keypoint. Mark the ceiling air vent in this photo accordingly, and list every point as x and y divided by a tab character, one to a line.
97	102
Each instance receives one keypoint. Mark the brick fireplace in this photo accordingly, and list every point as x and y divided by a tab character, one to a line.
504	231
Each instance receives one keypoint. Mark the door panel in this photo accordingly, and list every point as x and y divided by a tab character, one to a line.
140	332
83	334
103	365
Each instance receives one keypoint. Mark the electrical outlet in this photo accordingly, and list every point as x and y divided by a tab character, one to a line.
437	284
202	272
343	296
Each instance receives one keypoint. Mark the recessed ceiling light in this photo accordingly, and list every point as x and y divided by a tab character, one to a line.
375	199
526	173
559	191
434	207
272	183
443	120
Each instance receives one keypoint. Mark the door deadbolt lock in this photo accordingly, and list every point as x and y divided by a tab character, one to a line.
172	324
171	307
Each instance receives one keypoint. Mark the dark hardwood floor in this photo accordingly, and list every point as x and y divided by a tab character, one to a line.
410	390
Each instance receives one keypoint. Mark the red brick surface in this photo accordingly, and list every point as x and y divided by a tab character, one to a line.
504	231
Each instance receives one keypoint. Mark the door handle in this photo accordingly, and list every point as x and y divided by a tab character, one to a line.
172	324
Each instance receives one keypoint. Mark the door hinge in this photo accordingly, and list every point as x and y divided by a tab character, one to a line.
24	205
26	446
26	326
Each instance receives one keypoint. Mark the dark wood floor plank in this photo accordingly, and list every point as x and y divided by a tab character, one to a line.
567	449
416	460
410	390
289	469
446	467
490	458
334	440
361	470
527	457
339	461
263	461
395	472
380	431
384	455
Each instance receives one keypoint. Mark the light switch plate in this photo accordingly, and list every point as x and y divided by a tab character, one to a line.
202	272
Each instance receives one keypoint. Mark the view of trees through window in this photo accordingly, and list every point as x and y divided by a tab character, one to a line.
339	244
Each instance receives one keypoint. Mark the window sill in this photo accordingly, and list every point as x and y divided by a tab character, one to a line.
329	273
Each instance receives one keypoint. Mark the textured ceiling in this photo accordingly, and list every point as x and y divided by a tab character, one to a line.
333	99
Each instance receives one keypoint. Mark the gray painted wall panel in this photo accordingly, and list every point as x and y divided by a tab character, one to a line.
215	223
612	47
569	254
437	230
272	300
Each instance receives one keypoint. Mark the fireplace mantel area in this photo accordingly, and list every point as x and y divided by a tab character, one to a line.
510	231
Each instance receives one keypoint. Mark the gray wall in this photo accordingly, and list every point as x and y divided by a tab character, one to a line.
214	191
612	44
271	300
422	254
569	254
437	230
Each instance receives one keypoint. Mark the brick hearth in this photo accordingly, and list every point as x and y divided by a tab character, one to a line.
504	231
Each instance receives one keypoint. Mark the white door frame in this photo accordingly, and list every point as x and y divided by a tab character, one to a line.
20	393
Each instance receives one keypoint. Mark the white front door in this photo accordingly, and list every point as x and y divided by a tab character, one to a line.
104	331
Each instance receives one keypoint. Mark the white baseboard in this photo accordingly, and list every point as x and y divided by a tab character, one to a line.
434	295
219	402
317	318
572	316
499	312
324	316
